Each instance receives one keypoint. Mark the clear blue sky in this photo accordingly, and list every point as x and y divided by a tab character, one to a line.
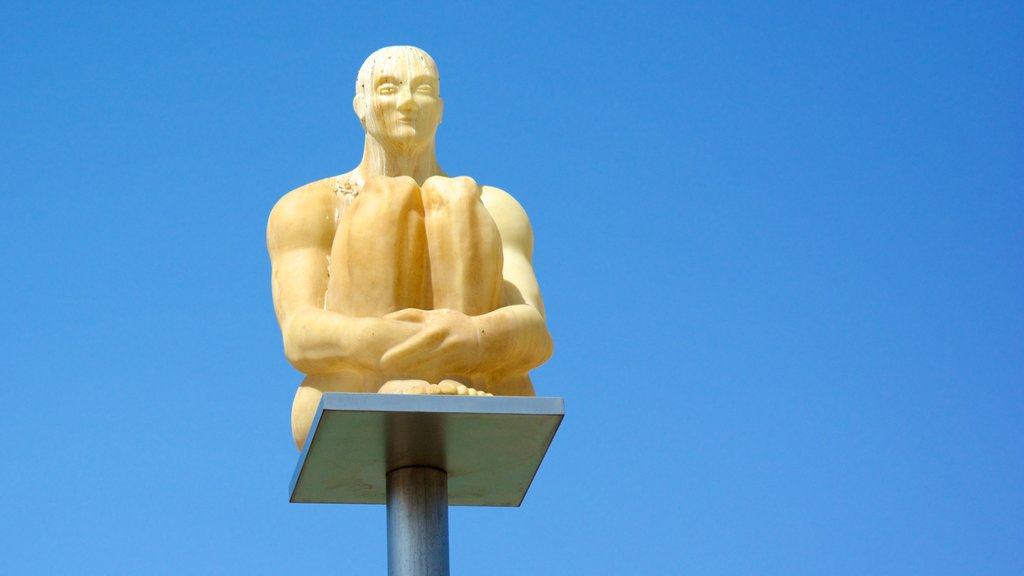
781	247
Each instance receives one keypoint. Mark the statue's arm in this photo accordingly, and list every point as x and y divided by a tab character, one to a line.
515	337
299	236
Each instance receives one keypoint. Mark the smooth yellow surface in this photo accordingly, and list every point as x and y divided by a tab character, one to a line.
394	278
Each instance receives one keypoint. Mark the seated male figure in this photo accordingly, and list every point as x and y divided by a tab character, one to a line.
394	278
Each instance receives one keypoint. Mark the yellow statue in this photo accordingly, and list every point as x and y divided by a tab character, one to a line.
394	278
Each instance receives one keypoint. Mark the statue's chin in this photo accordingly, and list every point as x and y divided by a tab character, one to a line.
404	139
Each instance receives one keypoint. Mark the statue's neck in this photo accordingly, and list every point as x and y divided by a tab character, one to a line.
379	160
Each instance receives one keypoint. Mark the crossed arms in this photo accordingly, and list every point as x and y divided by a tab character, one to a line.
412	342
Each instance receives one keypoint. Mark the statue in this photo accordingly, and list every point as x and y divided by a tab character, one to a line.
393	277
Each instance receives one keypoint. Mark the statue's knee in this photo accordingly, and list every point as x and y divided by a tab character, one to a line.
457	193
399	194
465	190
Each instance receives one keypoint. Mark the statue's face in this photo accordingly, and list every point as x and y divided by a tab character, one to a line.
401	105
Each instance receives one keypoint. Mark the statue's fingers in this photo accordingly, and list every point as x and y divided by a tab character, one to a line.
422	342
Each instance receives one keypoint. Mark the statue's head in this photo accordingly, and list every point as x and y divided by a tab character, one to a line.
398	98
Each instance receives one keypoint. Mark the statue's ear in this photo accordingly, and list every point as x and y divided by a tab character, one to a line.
360	109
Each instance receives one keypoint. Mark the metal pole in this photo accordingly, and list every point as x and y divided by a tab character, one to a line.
417	522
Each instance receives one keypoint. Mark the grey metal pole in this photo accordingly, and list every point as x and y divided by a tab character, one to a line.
417	522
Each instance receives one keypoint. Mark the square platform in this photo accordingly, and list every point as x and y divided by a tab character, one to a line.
491	446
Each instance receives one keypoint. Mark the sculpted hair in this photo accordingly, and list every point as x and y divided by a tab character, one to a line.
377	62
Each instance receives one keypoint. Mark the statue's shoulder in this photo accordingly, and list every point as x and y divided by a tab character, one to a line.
508	214
497	199
307	211
304	198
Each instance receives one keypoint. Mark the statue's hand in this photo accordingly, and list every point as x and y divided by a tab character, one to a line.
446	344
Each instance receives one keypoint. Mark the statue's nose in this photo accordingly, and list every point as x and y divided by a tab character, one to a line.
406	103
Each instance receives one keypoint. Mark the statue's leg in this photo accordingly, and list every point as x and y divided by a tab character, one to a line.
465	257
378	265
465	247
379	261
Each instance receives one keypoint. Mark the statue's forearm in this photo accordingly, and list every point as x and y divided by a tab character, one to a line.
513	340
320	341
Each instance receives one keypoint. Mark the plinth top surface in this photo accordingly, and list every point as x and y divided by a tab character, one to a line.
491	447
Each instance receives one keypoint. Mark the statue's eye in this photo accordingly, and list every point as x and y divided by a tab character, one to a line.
385	89
425	89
